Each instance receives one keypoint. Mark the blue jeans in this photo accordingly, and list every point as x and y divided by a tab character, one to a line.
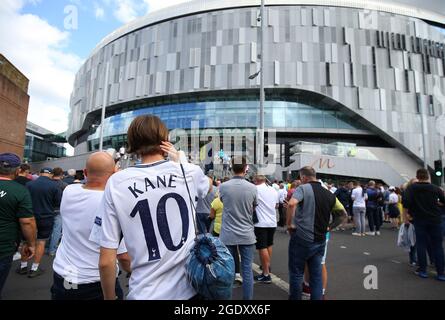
432	233
246	252
374	218
412	254
300	253
56	234
5	266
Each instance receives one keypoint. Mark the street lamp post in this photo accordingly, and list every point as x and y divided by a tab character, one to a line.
260	140
104	104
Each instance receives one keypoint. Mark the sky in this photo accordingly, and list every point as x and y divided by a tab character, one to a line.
48	40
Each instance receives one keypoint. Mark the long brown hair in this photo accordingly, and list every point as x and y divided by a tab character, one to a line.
145	135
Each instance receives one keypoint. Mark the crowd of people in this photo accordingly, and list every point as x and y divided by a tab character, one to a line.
139	220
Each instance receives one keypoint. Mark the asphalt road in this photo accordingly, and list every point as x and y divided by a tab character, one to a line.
347	258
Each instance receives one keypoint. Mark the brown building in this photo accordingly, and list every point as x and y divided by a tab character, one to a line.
14	101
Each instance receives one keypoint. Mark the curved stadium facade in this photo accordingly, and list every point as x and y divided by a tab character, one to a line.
346	82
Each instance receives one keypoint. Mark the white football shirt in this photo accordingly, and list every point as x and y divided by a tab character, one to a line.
393	198
359	198
268	197
77	258
150	205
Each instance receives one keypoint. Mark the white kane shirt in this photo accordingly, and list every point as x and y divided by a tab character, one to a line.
77	258
268	198
150	205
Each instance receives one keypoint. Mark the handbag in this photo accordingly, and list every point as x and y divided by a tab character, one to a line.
210	267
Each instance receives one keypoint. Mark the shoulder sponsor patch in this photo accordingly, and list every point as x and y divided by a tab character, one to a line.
98	221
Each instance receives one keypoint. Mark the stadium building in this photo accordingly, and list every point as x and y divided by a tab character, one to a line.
347	82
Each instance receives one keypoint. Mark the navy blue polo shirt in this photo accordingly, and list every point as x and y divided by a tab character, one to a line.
45	196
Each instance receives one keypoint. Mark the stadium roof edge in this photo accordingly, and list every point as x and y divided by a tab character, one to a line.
197	6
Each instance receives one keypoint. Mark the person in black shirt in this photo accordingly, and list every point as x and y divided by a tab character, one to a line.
45	195
343	195
422	200
22	177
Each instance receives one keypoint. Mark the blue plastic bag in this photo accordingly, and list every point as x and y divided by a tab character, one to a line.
210	268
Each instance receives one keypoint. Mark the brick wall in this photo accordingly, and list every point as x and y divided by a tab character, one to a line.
13	113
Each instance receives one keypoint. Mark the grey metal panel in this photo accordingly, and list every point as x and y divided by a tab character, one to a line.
276	73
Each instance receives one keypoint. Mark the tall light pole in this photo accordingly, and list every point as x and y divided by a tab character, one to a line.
104	105
422	127
422	118
262	93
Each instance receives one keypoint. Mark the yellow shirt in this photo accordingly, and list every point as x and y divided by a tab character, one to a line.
217	205
400	206
338	206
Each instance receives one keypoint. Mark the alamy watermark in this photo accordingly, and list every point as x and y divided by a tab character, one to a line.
71	278
71	21
371	281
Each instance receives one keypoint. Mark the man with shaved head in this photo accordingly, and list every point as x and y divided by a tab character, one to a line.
76	266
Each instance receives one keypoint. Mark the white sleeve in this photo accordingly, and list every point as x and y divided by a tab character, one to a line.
122	247
201	182
111	229
96	231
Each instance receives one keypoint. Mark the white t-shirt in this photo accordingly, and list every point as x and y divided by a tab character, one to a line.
77	258
283	195
267	200
393	198
150	205
359	198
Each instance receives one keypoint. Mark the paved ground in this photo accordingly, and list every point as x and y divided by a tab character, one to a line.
347	258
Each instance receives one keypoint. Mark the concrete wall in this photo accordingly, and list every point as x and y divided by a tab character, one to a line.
405	165
76	162
351	167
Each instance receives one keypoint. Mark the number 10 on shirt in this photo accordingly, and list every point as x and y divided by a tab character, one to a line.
162	223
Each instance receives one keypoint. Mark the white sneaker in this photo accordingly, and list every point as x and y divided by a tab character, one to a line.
377	233
356	234
370	233
17	256
238	278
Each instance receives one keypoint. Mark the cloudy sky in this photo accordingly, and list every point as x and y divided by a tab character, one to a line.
42	38
48	46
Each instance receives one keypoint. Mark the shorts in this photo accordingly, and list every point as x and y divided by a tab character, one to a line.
393	211
264	237
44	227
323	260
